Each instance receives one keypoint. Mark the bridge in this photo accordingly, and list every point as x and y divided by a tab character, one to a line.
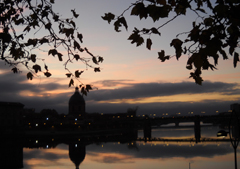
147	124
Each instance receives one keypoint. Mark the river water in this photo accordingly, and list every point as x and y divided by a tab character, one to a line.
138	154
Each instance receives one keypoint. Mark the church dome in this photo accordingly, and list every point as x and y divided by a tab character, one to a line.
76	103
76	98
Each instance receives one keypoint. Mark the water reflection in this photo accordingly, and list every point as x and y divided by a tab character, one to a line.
119	151
77	153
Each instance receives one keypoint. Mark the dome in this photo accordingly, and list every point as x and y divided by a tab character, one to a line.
76	104
76	98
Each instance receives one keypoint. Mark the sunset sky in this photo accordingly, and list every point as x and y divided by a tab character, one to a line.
130	76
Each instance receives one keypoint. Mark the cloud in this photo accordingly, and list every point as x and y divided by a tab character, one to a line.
163	151
36	154
142	90
16	88
114	83
113	158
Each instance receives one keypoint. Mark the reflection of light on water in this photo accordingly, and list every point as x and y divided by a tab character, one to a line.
113	154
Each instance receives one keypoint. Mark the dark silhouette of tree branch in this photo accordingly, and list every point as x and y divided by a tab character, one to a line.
49	31
217	31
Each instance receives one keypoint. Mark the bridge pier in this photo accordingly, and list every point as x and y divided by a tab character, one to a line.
147	130
197	128
176	124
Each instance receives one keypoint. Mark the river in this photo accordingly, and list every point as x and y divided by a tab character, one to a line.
136	154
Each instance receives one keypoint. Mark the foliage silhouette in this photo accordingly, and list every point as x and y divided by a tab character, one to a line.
211	35
23	19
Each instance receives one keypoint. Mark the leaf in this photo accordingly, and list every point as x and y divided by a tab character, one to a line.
231	49
196	77
140	10
155	31
73	23
88	87
77	73
33	58
215	57
94	59
180	9
223	54
76	45
43	40
161	55
71	83
149	43
100	59
68	74
28	28
15	70
124	22
108	17
36	68
74	13
198	62
136	38
48	26
68	31
47	74
208	21
46	68
83	91
189	67
120	21
198	80
53	52
157	12
32	42
76	56
191	59
96	69
29	75
80	37
19	21
177	44
59	56
55	17
212	67
235	59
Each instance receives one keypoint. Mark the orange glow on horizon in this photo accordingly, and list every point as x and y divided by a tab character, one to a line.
175	98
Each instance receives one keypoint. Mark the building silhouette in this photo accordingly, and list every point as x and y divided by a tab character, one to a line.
10	116
76	104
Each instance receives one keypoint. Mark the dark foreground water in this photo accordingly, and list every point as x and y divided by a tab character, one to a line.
137	154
